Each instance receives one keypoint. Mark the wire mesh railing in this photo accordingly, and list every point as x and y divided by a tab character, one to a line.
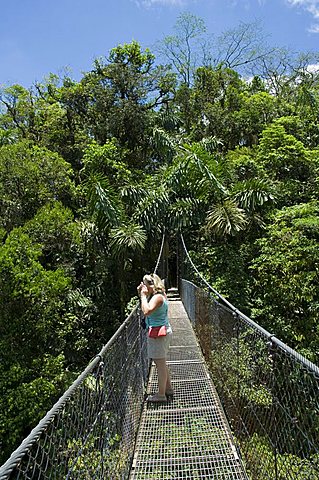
187	437
269	392
90	432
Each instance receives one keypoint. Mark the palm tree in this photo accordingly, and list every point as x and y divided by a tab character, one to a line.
104	204
254	196
225	218
117	235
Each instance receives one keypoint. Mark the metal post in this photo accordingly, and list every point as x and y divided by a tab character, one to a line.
274	439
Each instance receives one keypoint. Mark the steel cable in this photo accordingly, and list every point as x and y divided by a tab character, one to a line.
271	337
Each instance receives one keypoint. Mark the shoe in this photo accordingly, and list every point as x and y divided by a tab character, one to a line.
169	392
156	398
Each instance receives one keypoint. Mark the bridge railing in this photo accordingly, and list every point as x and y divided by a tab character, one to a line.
269	392
90	432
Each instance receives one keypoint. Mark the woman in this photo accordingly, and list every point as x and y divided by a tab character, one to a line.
154	305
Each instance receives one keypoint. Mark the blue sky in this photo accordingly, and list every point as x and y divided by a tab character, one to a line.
38	37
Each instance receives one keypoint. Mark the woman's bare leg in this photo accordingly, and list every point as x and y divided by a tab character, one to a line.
168	381
163	374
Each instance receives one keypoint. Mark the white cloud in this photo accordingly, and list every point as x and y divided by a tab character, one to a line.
312	6
313	68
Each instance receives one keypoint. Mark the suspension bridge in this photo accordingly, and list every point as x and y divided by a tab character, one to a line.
245	405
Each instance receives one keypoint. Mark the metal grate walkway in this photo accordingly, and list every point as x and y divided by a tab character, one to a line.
188	437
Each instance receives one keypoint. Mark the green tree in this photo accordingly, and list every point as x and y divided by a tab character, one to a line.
215	99
285	296
111	203
61	107
123	92
34	328
184	49
290	165
256	112
47	114
19	115
30	176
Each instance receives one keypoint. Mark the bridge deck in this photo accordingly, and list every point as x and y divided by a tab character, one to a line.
188	437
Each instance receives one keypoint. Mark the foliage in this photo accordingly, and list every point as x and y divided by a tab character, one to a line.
93	171
286	290
33	334
30	176
288	163
225	219
127	237
53	227
26	395
113	458
288	465
122	93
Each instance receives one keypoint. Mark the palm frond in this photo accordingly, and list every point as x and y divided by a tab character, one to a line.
195	157
127	239
151	210
103	203
211	144
226	218
253	193
163	143
132	194
176	176
185	212
170	120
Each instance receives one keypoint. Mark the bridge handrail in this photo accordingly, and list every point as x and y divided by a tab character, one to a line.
271	337
160	253
18	454
268	391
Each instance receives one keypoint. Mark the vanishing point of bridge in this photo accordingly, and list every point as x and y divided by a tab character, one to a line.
250	410
189	436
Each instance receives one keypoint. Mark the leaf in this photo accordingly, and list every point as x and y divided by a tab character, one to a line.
103	203
127	239
226	218
254	193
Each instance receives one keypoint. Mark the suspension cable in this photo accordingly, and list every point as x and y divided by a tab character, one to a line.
271	337
229	305
160	253
35	434
205	281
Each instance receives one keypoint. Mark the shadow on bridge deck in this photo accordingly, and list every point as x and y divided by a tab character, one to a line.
188	437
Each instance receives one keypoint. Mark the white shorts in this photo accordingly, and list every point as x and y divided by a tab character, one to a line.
158	347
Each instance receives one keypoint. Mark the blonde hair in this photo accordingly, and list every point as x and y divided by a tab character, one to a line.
154	280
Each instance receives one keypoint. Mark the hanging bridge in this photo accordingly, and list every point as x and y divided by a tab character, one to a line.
245	405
